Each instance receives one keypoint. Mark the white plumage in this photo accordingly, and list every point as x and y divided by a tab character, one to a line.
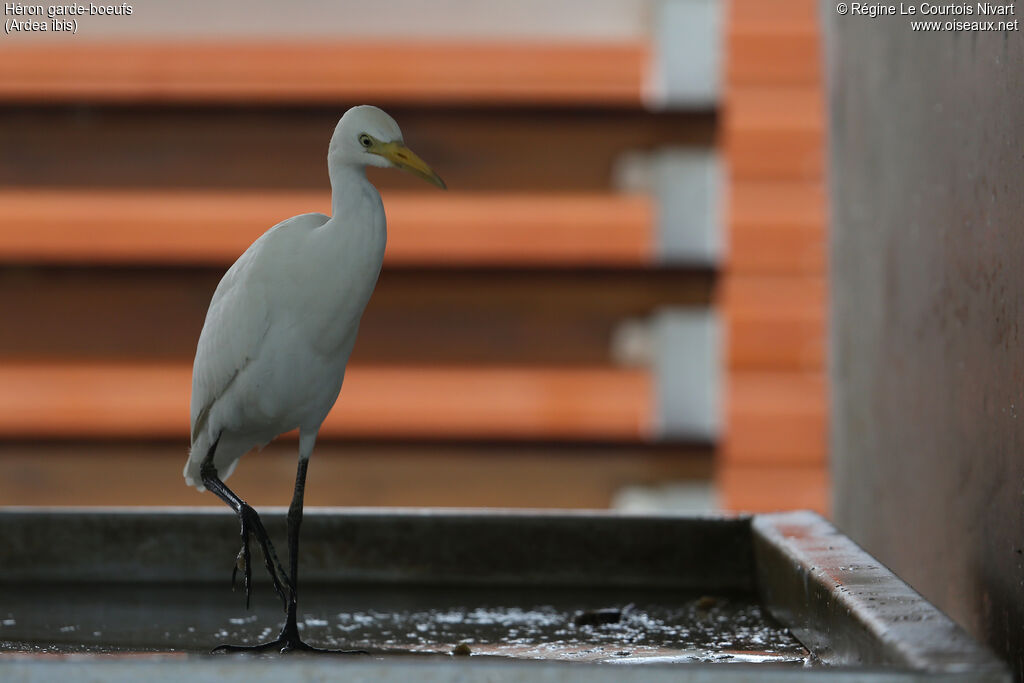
281	326
283	320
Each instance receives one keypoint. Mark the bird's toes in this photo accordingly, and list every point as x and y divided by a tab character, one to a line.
238	566
247	574
243	562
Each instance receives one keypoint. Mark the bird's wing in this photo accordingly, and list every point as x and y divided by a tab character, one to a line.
238	318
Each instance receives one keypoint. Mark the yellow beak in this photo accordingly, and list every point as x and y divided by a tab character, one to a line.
405	159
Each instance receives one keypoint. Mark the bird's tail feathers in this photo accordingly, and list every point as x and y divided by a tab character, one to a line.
198	452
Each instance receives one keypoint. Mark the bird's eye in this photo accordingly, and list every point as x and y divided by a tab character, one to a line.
366	141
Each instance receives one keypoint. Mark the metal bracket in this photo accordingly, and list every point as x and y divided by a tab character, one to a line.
686	73
688	374
687	185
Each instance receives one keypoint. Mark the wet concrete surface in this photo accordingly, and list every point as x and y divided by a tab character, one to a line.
605	625
566	596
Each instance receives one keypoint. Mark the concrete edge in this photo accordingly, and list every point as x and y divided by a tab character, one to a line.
849	609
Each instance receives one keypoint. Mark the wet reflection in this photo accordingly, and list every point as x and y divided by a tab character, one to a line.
621	626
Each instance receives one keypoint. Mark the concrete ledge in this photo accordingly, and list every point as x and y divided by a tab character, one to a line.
849	610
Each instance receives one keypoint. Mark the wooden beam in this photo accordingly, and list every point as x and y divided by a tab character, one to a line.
777	227
774	321
749	15
775	418
434	73
772	488
774	226
775	133
776	108
150	400
346	473
776	43
774	47
774	293
194	227
787	56
772	417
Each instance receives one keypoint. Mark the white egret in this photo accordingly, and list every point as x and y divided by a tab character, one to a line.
283	320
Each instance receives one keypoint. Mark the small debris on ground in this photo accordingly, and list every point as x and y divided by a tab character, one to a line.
598	617
706	602
461	650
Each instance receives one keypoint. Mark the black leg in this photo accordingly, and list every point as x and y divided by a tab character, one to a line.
291	627
288	640
250	525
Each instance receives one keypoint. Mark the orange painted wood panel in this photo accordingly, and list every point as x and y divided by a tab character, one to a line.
804	295
774	321
270	72
558	403
773	294
774	133
151	400
774	226
770	108
787	55
750	15
775	418
771	155
789	341
438	229
777	227
770	417
772	43
744	488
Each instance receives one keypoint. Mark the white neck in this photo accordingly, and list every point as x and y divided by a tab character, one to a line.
348	184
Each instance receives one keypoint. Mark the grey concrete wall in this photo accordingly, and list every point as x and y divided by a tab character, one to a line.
927	351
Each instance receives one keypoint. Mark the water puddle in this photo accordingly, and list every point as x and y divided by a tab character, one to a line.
615	626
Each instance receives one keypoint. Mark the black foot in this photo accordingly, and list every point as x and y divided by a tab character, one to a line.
252	525
283	645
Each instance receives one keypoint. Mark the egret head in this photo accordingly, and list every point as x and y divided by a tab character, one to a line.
367	136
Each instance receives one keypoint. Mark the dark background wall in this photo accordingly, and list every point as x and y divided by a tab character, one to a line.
927	190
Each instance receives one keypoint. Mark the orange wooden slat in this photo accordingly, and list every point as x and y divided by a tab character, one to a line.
558	403
197	227
789	341
773	42
775	418
772	155
770	489
804	295
777	227
774	294
774	133
767	108
408	72
750	15
786	55
151	400
771	417
774	322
